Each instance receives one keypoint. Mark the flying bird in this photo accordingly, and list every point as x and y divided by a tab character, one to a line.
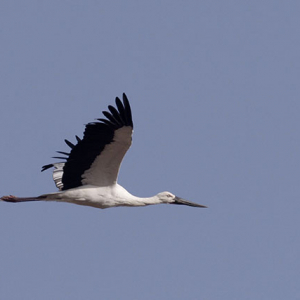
88	175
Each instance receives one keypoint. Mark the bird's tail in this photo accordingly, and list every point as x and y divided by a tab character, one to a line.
15	199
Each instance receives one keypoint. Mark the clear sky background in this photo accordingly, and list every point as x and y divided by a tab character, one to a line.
214	90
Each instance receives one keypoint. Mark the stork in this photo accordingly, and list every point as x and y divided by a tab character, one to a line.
88	176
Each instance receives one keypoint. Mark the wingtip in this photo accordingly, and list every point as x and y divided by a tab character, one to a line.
128	110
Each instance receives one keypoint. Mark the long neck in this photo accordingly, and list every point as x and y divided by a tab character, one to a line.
137	201
124	198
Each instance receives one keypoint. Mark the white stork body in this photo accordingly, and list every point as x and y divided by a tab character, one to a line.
100	197
89	175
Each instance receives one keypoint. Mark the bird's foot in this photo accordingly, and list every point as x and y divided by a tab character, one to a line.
9	198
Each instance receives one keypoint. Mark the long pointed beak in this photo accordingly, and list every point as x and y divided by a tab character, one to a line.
181	201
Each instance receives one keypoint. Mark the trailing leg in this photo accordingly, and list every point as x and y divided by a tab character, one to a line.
14	199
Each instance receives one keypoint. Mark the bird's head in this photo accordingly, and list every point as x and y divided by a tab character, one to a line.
167	197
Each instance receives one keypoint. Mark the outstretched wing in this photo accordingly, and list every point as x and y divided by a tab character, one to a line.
96	159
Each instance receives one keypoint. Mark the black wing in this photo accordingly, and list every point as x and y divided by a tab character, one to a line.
96	159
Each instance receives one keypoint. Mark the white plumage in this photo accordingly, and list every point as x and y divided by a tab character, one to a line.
89	174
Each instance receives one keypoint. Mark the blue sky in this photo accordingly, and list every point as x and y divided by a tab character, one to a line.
214	90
